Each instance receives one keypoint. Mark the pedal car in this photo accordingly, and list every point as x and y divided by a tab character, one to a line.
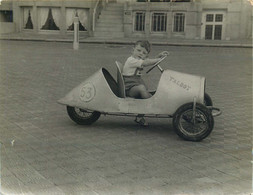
179	96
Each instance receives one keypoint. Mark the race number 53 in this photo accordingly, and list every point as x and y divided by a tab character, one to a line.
87	92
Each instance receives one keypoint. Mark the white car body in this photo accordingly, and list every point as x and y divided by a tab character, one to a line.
99	93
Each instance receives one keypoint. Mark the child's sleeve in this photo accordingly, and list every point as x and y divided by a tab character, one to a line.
135	63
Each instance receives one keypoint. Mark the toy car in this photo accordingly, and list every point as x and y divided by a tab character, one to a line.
179	96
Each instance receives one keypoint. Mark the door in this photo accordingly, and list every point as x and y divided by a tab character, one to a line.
213	24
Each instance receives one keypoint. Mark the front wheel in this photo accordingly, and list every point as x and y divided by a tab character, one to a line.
193	126
82	117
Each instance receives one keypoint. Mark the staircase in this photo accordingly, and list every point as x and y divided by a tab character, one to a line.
110	22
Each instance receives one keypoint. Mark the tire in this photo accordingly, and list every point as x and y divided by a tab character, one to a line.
184	126
207	100
82	117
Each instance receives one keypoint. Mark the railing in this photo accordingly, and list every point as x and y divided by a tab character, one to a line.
139	21
96	12
179	22
159	21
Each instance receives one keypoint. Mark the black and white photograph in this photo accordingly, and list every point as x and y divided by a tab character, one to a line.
126	97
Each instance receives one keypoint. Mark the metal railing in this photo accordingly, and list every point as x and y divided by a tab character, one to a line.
159	22
139	21
179	22
96	12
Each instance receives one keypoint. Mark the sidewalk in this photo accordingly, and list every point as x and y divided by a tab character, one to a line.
154	41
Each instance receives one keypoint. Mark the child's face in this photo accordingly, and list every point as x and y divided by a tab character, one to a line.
140	52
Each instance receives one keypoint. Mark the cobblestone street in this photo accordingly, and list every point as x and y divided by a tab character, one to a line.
44	152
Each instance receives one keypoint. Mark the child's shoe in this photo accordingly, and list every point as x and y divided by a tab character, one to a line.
141	121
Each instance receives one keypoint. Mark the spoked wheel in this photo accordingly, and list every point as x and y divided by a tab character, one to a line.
82	117
193	125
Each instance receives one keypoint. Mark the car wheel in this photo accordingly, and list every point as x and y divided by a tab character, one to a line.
189	129
82	117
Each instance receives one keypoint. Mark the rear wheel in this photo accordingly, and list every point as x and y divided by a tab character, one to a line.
193	128
82	117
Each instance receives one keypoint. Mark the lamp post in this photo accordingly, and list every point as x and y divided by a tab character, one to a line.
76	33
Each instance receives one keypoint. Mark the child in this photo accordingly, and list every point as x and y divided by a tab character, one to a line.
135	86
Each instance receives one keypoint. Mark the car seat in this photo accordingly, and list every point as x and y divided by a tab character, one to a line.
120	80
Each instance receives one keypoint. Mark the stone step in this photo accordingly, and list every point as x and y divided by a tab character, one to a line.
116	11
109	24
114	17
109	28
115	5
113	9
110	20
109	34
113	14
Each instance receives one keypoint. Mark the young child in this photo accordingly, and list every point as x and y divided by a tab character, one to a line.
134	84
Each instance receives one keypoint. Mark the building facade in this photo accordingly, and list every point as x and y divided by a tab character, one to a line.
177	19
203	19
47	16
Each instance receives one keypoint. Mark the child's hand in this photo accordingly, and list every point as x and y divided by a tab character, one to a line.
164	53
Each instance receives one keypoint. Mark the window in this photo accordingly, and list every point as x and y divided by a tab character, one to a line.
209	17
213	27
217	32
209	32
139	21
179	21
49	18
81	14
218	17
159	22
27	18
6	16
29	23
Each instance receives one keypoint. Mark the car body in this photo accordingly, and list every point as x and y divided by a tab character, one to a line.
98	93
179	96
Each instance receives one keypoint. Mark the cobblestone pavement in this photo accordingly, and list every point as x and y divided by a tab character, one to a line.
44	152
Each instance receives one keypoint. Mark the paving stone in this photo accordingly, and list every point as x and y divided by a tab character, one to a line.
76	188
62	179
51	190
128	188
44	152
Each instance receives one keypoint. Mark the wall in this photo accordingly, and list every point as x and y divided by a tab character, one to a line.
7	27
238	15
237	18
189	9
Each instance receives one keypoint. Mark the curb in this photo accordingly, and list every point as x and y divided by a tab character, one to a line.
172	44
131	42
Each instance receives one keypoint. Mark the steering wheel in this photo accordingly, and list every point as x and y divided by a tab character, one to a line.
157	65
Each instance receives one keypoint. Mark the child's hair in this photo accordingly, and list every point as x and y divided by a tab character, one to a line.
143	43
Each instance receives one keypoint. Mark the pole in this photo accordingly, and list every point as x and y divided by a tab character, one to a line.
76	33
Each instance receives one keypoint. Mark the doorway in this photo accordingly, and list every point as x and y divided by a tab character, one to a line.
213	27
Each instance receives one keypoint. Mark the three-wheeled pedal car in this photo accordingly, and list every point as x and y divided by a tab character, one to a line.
179	96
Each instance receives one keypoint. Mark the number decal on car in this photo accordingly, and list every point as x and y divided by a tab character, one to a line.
87	92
